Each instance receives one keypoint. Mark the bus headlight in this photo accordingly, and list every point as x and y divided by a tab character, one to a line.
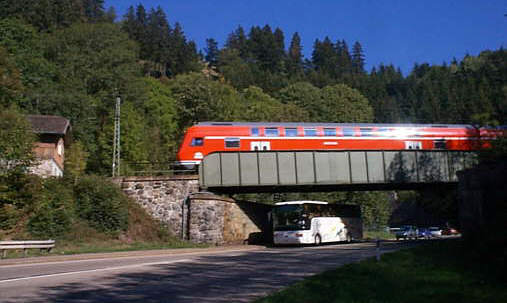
198	155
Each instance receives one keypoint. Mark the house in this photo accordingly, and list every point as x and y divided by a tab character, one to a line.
54	134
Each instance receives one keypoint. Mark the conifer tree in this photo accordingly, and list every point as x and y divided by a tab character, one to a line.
211	51
295	56
238	40
357	58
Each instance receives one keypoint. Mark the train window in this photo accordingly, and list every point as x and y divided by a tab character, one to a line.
384	132
255	131
348	132
231	142
310	132
439	144
291	132
330	132
271	132
365	131
197	142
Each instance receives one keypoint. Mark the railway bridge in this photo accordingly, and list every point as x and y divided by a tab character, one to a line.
300	171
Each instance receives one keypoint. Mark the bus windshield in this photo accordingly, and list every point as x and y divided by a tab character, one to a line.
290	217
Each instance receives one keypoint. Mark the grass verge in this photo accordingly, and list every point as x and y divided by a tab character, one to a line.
438	271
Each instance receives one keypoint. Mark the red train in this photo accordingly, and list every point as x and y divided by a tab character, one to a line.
207	137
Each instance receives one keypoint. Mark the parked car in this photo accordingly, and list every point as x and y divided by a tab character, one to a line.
436	232
449	231
407	232
424	233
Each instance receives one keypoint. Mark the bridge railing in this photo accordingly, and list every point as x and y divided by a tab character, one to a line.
154	169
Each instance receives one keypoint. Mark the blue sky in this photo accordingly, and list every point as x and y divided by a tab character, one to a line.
390	31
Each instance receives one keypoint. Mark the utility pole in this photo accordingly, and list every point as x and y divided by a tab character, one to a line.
116	139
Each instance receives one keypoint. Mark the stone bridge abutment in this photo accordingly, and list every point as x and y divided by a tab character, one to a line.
199	217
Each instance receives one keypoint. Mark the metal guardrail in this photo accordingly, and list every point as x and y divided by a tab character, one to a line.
24	245
263	169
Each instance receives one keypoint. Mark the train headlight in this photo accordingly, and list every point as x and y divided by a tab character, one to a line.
198	155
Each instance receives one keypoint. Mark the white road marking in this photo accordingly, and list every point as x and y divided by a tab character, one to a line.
92	270
127	257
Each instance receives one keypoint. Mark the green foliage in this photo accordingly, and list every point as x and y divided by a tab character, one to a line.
201	99
305	96
9	216
165	49
101	203
26	52
54	213
48	15
11	86
16	142
259	106
99	55
234	69
161	114
341	103
375	207
440	271
75	161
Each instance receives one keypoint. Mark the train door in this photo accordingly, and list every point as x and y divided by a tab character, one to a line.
413	145
260	145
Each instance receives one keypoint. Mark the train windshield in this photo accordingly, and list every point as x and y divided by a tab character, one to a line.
290	217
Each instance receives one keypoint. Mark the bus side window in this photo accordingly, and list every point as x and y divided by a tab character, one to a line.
197	142
255	131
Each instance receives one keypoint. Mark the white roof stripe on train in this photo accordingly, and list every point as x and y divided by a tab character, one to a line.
317	124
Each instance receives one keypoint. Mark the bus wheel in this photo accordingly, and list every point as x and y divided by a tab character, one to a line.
318	240
349	238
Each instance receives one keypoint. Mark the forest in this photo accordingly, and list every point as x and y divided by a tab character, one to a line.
74	57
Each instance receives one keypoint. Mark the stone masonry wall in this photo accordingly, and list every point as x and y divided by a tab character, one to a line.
162	197
198	217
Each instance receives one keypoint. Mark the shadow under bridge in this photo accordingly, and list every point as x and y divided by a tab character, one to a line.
300	171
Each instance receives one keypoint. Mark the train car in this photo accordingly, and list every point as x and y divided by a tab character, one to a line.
207	137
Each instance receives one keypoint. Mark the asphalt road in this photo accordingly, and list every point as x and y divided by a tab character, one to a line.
217	275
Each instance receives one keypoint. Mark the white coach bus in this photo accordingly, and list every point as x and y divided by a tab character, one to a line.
315	222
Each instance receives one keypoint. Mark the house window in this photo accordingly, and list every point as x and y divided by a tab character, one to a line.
255	131
311	132
291	132
231	142
271	132
197	142
330	132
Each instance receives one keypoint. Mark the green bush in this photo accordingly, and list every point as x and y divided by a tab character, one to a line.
9	215
54	213
101	203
